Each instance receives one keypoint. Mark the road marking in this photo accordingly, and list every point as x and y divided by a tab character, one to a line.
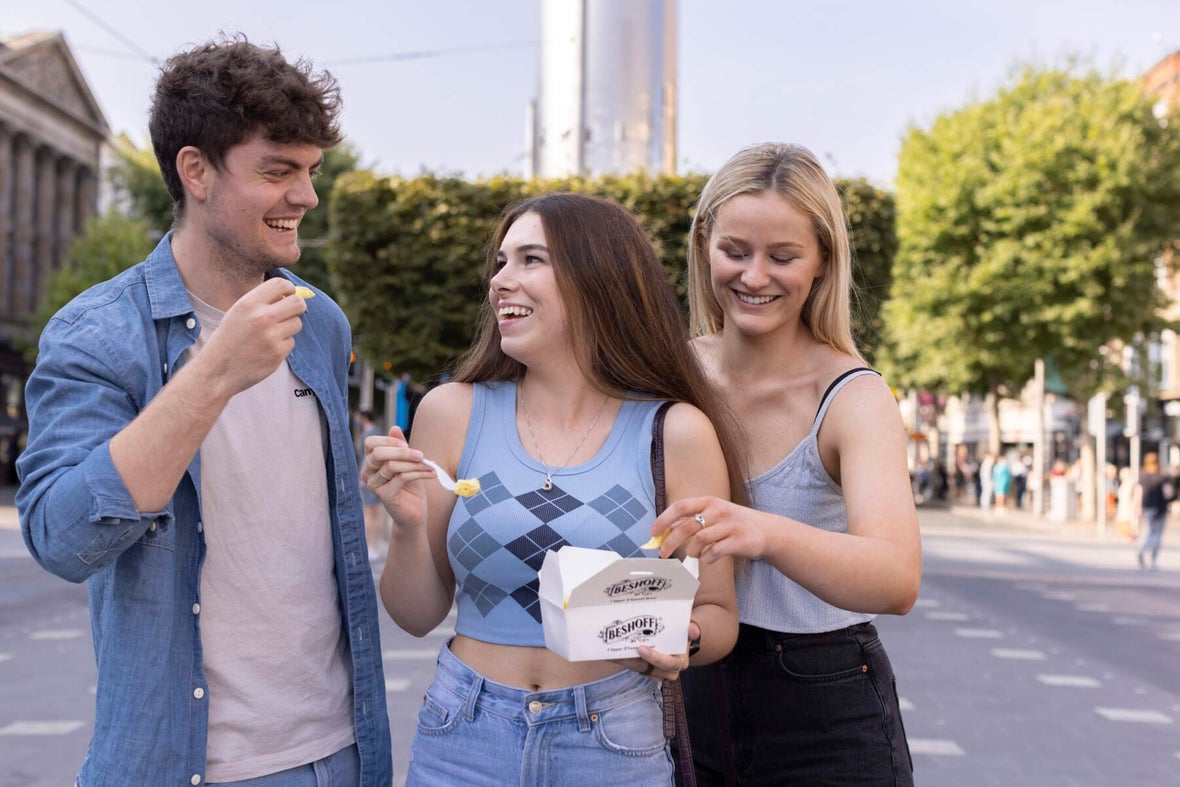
1133	714
935	746
979	633
1093	607
396	684
41	727
1171	636
409	655
947	616
904	704
1060	595
1074	681
1128	620
57	634
441	632
927	602
5	656
1011	653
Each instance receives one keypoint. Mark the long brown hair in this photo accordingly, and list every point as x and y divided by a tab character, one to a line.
627	332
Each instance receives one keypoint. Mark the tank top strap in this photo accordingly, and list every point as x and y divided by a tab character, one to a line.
834	389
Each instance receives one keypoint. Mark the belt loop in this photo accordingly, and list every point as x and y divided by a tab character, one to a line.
472	696
580	706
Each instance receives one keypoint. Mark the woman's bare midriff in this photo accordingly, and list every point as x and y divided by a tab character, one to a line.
534	669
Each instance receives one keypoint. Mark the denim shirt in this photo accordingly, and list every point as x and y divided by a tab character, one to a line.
103	358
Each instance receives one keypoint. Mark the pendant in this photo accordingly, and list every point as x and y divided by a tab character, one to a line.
548	485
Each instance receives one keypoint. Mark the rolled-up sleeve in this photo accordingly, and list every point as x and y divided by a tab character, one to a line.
76	513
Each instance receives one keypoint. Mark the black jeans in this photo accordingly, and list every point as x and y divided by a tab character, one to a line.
806	709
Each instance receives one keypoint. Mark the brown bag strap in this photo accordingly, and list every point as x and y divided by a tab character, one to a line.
675	719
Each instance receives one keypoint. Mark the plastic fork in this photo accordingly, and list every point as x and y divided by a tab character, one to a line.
447	482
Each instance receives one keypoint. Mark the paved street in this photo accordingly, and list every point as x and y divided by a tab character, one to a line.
1037	655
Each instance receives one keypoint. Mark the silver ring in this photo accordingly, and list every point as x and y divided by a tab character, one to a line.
381	472
700	518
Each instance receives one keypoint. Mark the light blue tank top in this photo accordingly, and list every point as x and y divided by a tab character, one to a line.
798	487
497	539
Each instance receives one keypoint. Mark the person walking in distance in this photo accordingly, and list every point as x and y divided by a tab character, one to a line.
190	456
1156	493
830	538
374	513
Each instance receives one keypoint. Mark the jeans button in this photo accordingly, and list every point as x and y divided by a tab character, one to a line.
535	706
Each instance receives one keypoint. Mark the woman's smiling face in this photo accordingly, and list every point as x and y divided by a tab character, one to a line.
763	260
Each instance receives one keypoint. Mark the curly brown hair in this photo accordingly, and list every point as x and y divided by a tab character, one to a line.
221	93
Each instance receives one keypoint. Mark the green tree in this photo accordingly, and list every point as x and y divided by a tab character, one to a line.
315	230
1030	225
138	187
872	226
108	244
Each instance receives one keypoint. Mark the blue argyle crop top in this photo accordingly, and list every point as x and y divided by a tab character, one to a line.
497	539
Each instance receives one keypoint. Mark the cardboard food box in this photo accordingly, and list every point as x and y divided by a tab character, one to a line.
598	605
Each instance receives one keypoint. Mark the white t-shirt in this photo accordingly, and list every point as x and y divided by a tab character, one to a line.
279	681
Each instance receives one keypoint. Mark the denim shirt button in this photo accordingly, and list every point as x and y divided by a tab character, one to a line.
196	609
190	323
199	693
200	528
196	778
152	526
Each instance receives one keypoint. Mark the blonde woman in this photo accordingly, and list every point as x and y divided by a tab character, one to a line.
831	534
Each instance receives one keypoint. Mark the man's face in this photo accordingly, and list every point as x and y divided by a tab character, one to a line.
256	201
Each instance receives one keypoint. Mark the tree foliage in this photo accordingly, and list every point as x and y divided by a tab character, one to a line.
1030	226
108	244
408	254
873	229
138	187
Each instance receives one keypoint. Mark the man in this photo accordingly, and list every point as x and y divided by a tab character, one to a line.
190	457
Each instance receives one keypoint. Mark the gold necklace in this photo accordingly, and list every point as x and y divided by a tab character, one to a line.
548	485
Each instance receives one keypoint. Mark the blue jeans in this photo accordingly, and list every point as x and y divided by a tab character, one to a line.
1157	520
472	731
342	769
814	709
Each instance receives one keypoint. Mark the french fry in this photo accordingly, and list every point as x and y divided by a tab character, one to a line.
467	487
655	542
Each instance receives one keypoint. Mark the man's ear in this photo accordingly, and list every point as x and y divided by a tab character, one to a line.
194	171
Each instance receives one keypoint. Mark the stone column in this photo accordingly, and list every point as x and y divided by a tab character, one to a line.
64	209
6	267
45	235
87	203
25	191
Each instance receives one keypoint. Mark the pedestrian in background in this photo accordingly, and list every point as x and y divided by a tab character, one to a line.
374	512
552	411
1128	506
1001	482
831	539
1156	492
190	456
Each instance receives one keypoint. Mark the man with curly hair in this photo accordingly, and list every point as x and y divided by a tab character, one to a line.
190	458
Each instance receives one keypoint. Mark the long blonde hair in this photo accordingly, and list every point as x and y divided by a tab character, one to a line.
793	173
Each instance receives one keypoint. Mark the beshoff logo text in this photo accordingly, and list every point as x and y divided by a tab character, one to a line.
648	586
635	629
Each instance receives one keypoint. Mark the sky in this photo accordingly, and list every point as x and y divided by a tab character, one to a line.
442	85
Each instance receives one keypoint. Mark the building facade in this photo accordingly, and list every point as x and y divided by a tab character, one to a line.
52	134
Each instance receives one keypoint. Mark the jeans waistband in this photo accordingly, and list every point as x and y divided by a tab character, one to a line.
755	638
580	701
